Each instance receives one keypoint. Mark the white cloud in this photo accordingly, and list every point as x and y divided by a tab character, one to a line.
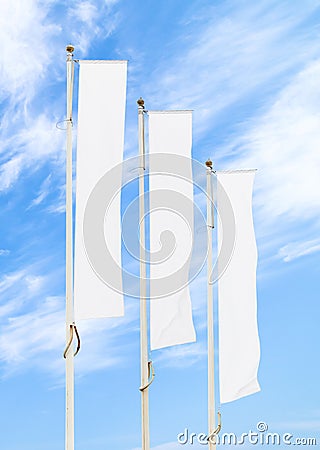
30	33
34	283
296	250
181	356
25	337
257	56
225	59
283	144
42	193
33	145
32	321
9	172
40	138
85	11
17	289
4	252
27	34
9	280
44	327
94	19
30	37
33	329
58	208
230	53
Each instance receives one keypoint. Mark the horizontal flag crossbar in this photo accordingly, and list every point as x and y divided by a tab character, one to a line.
172	111
102	61
236	170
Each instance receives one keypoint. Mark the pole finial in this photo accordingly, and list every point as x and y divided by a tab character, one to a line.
209	164
140	102
70	48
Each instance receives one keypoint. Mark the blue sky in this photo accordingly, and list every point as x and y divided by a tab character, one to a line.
251	73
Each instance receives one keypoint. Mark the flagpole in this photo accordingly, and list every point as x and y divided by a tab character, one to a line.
143	288
210	317
69	435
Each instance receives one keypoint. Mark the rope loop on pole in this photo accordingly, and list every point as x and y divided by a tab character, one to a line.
73	328
215	433
78	340
58	124
150	372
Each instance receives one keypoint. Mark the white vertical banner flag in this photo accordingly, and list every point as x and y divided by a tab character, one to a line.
170	133
101	116
239	347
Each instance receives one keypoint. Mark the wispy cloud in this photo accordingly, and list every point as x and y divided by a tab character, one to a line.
106	341
35	143
231	52
283	144
17	289
181	356
28	309
87	16
42	193
29	33
255	70
9	172
44	328
226	56
25	33
8	280
296	250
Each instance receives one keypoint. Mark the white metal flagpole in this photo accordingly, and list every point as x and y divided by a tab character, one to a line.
69	437
210	317
144	366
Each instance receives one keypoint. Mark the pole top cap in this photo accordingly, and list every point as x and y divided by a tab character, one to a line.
69	48
209	163
140	102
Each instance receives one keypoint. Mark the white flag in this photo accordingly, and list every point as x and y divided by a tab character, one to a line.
239	348
101	115
171	229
